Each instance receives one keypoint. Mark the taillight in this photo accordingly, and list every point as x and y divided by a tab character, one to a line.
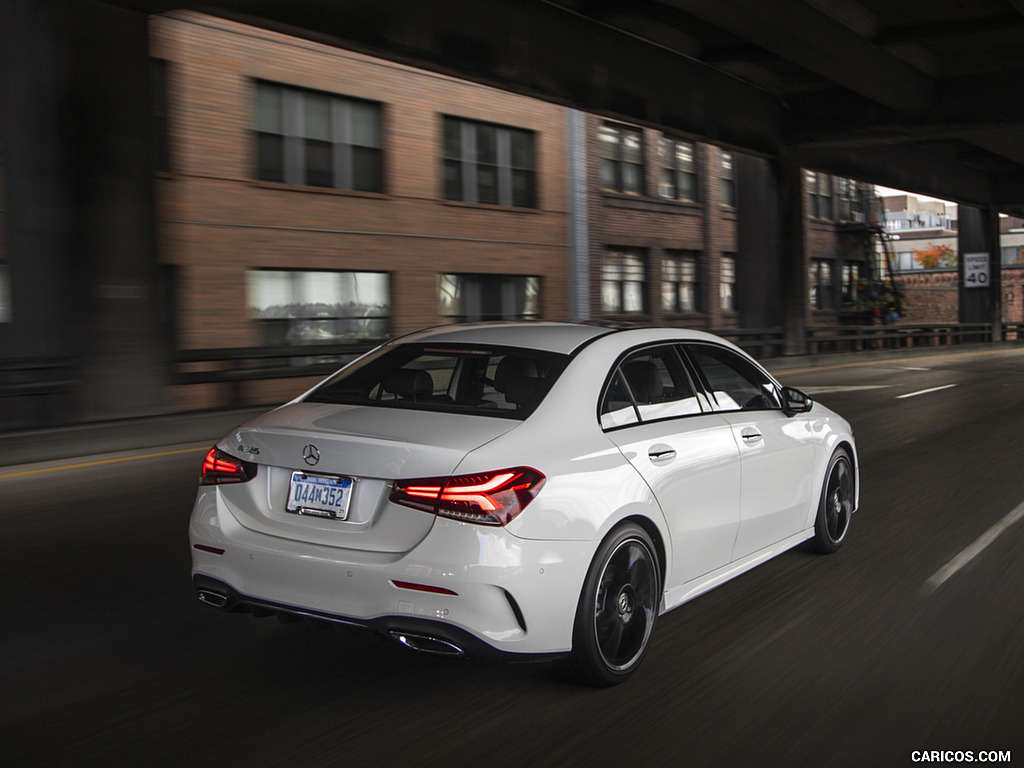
487	498
220	468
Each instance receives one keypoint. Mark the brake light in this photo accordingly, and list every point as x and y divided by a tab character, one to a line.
487	498
220	468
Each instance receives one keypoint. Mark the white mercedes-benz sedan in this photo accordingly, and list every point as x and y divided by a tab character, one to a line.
526	490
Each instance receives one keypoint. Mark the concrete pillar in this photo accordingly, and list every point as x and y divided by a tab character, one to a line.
981	303
759	269
771	264
77	128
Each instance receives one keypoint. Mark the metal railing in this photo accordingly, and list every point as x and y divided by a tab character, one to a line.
759	342
41	391
36	391
857	338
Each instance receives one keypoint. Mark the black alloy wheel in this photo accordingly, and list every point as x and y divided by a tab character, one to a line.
617	609
835	509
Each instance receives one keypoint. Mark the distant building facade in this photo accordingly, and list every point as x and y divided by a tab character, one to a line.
923	248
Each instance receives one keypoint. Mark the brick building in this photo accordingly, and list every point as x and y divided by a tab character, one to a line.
315	194
307	194
924	245
662	231
661	234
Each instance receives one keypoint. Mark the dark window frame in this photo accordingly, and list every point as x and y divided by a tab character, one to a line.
727	259
819	193
490	282
293	324
727	176
488	163
678	176
672	295
349	145
822	289
622	280
620	172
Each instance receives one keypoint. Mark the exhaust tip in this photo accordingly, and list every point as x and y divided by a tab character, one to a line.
216	599
426	644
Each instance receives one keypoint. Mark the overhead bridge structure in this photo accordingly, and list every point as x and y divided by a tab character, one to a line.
922	96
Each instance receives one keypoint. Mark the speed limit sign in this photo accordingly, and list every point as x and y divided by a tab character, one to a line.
976	270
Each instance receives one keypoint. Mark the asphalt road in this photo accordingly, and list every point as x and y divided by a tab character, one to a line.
856	659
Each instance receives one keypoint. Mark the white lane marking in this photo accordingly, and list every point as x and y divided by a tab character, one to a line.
853	388
974	549
925	391
914	369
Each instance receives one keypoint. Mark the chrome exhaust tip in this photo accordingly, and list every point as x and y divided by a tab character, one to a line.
216	599
426	644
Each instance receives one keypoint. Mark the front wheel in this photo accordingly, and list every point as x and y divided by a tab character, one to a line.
835	507
617	609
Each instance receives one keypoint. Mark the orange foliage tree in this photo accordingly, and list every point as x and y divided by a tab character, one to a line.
935	256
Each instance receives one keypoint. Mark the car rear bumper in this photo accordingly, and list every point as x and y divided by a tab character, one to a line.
424	635
478	589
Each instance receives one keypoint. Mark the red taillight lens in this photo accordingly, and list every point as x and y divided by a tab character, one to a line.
487	498
220	468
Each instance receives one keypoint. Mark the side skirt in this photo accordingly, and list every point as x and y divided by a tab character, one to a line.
676	596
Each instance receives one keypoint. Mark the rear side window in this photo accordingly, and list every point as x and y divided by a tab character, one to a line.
648	385
735	384
490	381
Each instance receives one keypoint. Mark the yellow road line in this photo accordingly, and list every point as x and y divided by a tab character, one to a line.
118	460
894	361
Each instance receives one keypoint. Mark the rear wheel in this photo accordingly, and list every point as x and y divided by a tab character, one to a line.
617	609
835	508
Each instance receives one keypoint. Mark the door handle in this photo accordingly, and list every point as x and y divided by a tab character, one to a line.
751	436
661	454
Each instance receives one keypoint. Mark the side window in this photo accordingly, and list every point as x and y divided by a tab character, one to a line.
734	382
648	385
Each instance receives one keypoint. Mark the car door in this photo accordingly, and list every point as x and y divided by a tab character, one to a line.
777	452
687	455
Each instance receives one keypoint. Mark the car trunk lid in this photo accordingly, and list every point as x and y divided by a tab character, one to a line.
316	443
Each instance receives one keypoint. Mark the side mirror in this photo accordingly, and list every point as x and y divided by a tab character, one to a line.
794	401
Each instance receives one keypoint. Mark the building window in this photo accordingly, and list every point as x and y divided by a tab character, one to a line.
851	275
1013	254
728	188
679	282
623	280
5	294
903	261
622	159
852	200
678	171
819	188
727	283
315	139
296	307
471	298
491	164
822	294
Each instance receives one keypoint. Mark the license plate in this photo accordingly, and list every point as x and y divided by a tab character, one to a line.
320	495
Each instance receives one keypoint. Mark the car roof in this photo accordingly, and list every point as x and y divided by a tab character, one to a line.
564	338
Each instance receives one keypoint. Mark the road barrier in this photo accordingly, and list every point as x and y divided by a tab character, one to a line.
41	391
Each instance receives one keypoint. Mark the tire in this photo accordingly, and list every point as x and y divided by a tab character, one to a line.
617	610
835	508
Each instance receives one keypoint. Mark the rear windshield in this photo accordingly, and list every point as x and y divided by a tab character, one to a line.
490	381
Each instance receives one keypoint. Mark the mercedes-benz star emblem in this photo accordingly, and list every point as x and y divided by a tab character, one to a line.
311	454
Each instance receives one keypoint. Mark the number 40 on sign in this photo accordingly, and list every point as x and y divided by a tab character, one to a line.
976	270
